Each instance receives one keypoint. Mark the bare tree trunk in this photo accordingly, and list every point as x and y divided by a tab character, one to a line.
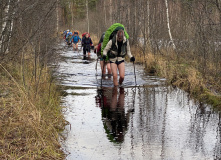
4	26
22	68
111	12
57	25
148	22
87	16
135	17
72	14
105	15
168	24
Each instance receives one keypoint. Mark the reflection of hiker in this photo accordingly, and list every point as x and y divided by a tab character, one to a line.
116	50
104	64
75	39
86	43
115	119
103	99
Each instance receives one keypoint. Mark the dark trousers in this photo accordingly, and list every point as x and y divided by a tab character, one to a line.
87	48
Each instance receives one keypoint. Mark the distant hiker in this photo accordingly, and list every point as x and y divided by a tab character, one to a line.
68	37
116	50
86	43
65	34
75	39
104	64
83	36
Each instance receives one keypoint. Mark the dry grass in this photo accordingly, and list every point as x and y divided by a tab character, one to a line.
183	73
95	39
31	116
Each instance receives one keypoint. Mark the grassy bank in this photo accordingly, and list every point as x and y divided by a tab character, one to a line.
31	116
184	73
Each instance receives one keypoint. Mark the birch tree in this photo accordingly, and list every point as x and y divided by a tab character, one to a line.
168	24
8	11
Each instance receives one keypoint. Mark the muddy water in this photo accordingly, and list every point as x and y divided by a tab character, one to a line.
152	121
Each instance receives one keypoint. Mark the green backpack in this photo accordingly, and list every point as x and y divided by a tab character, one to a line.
110	33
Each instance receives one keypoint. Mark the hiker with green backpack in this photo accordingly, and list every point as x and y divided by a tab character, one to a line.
115	48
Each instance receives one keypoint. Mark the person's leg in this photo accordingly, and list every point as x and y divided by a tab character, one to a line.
121	98
108	68
121	68
73	46
89	50
105	67
76	46
102	67
113	105
114	72
84	51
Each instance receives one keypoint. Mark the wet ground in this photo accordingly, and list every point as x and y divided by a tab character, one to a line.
149	120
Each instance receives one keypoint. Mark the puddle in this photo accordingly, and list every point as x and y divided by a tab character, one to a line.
148	121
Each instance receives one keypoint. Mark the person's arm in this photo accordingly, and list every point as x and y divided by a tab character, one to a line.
79	38
91	42
107	48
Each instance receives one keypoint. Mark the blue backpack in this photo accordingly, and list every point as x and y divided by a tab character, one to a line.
76	39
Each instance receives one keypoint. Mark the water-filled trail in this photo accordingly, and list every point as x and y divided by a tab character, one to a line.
152	121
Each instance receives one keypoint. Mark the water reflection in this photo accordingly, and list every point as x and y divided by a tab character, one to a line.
150	122
217	149
115	118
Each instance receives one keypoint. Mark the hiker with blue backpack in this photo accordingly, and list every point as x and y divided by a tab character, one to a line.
75	39
115	48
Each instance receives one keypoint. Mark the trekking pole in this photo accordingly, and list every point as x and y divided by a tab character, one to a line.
96	64
135	74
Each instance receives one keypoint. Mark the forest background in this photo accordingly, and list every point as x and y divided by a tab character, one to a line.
176	39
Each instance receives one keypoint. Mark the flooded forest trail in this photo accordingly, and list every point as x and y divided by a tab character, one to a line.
152	121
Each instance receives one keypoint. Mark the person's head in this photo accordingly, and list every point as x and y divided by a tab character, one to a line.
86	35
120	35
